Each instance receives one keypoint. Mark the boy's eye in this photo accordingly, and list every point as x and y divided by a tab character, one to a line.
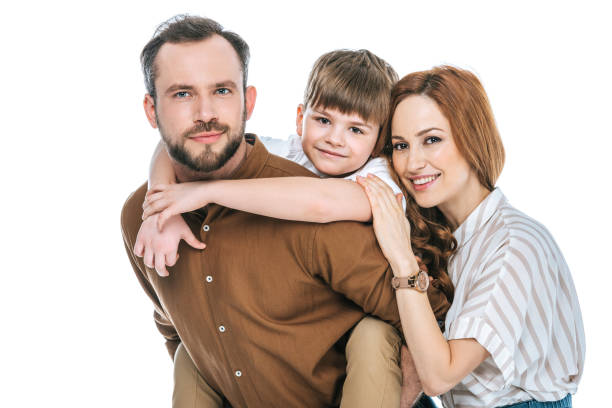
356	130
223	91
400	146
323	121
432	139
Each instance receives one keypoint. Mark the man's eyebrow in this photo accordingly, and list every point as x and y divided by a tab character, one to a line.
225	84
179	87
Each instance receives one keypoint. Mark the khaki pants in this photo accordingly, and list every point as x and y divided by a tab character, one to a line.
373	376
190	389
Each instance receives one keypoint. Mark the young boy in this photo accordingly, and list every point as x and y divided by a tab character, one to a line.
345	103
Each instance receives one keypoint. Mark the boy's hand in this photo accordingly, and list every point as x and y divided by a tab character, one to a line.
159	248
173	199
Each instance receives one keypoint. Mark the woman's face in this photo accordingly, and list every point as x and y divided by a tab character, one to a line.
426	158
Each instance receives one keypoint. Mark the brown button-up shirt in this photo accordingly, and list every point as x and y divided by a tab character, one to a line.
264	308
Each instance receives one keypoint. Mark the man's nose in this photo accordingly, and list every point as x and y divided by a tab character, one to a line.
204	110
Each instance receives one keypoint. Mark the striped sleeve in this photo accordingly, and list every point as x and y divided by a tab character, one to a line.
495	309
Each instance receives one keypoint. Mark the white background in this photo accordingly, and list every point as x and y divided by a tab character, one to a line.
77	329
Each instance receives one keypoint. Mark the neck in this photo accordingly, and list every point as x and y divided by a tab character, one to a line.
184	174
457	209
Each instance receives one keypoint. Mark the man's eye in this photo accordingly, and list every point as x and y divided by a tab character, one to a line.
432	139
223	91
182	94
400	146
356	130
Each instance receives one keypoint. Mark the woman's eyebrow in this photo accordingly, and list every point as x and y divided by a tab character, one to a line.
422	132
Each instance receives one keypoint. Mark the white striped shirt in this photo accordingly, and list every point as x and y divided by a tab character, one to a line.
514	294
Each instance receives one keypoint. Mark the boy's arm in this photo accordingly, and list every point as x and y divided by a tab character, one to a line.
161	170
291	198
159	248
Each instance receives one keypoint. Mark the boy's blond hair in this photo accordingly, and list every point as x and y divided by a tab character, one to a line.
351	81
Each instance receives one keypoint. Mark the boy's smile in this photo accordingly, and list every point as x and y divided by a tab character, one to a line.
336	143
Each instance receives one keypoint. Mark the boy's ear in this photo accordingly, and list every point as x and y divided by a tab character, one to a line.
299	119
149	108
249	100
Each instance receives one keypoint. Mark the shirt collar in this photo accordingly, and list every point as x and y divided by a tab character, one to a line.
479	217
255	161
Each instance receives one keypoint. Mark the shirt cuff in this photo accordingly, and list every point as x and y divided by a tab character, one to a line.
479	329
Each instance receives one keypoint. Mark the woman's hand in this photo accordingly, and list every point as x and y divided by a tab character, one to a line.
173	199
390	225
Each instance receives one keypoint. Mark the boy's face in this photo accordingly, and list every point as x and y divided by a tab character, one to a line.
336	143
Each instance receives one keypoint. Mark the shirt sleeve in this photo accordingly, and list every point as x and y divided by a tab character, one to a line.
380	168
495	311
279	147
346	256
165	327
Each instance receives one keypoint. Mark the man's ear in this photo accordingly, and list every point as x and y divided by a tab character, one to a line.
250	95
299	119
149	108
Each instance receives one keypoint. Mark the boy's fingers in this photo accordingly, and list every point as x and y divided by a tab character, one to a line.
156	188
160	265
148	258
138	248
171	258
192	241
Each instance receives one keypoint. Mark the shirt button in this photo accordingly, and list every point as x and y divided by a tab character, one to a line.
209	279
222	329
206	228
238	373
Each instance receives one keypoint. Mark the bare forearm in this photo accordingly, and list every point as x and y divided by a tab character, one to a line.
161	170
293	198
441	364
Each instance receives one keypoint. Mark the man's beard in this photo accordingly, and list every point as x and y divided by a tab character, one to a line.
207	160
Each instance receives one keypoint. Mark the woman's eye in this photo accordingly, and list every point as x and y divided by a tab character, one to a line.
432	139
356	130
400	146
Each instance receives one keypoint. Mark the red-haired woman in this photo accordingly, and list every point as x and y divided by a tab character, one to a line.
514	333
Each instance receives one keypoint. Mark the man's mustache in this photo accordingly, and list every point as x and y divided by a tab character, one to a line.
206	127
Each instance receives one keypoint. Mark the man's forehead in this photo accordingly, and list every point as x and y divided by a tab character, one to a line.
206	61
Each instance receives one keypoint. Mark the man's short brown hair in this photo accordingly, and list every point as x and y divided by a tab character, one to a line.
351	81
184	28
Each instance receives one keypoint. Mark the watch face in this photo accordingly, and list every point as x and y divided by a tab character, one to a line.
422	281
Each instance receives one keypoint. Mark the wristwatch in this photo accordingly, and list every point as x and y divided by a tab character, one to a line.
418	281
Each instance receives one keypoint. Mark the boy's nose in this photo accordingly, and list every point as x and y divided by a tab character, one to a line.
335	138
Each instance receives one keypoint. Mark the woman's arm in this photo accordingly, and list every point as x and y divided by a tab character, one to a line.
290	198
440	364
161	170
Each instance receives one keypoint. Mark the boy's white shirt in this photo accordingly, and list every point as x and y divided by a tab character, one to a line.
291	149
